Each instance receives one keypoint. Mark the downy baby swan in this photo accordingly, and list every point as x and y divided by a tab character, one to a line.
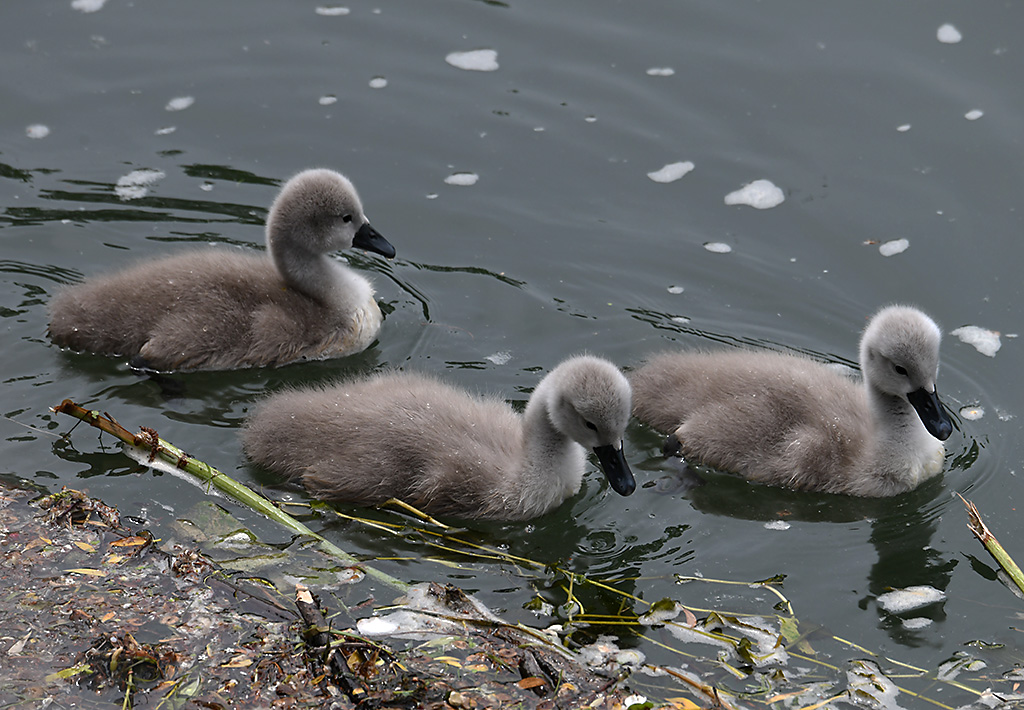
789	421
412	437
214	309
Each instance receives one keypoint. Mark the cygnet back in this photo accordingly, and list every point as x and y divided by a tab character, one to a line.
214	309
443	450
790	421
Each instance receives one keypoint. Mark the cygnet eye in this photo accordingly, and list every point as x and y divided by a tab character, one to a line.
590	425
346	218
900	370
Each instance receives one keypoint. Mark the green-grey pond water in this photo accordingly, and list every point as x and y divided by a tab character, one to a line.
518	193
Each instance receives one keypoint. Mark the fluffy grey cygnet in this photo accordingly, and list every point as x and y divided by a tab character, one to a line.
215	309
412	437
789	421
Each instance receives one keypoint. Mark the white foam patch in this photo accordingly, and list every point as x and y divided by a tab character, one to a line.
661	71
180	103
462	179
675	289
136	183
474	60
948	34
896	246
974	114
378	82
671	172
499	358
37	130
984	341
903	128
88	5
972	413
718	247
777	525
682	320
760	194
327	100
332	10
165	131
901	600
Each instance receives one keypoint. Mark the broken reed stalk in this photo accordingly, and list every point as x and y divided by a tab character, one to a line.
151	447
981	531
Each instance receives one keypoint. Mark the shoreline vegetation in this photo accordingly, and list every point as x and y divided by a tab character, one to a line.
98	611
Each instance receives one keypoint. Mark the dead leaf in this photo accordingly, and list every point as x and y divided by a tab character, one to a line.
87	571
531	682
84	546
238	662
129	541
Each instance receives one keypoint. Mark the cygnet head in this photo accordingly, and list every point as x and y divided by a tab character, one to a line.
319	211
590	402
899	354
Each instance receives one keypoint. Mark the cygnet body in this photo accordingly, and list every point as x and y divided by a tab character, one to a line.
412	437
789	421
215	309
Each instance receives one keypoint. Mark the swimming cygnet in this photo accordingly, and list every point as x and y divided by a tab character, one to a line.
789	421
412	437
219	309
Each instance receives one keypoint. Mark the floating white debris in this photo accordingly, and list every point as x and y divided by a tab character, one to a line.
327	100
376	626
180	103
901	600
675	289
206	187
499	358
378	82
463	179
896	246
661	71
136	183
1003	415
681	320
590	119
474	60
431	195
632	700
350	575
760	194
165	131
37	130
918	622
604	653
777	525
718	247
671	172
332	10
984	341
972	413
88	5
903	128
660	612
948	34
974	114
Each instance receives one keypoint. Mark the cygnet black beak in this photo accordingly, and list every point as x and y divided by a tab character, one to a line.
933	416
370	239
616	470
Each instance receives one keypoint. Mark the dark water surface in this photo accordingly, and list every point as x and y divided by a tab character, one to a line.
855	110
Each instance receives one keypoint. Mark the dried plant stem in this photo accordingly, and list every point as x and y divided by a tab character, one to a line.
981	531
152	449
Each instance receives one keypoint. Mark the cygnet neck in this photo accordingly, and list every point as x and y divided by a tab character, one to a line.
551	458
